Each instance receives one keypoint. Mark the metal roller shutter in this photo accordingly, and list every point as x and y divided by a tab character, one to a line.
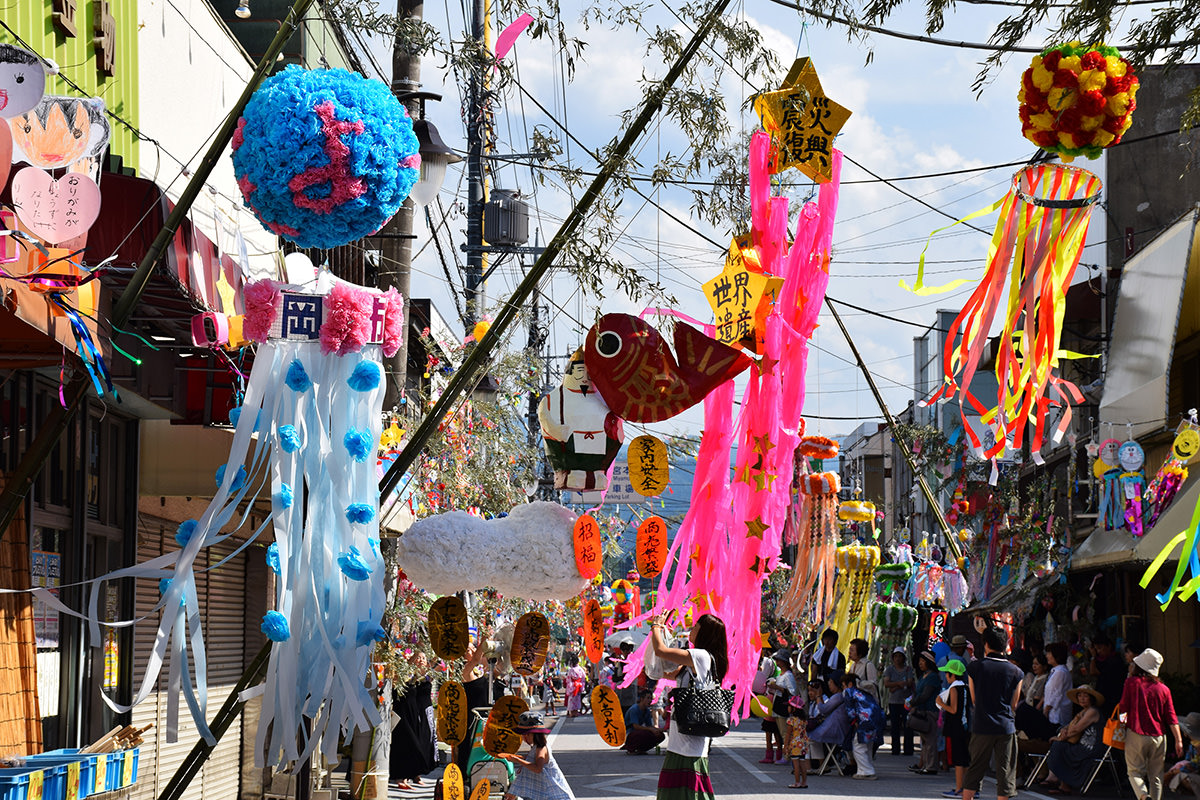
221	602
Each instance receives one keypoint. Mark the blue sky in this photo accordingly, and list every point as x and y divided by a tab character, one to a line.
914	112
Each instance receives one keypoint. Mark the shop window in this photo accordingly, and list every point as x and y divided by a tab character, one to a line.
46	571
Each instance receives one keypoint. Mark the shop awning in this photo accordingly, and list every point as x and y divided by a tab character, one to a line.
1150	318
1105	548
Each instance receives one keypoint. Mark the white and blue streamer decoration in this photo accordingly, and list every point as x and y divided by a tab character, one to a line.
307	417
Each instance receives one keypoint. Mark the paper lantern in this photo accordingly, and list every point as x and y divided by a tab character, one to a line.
581	435
639	377
531	640
857	511
22	81
1077	99
855	582
498	734
606	713
593	630
452	783
451	714
820	447
649	469
651	546
448	633
324	157
588	551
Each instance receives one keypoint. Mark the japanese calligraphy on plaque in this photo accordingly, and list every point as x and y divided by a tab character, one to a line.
802	123
448	627
531	641
451	715
606	712
649	471
498	734
593	630
483	788
651	546
55	210
588	553
452	783
741	297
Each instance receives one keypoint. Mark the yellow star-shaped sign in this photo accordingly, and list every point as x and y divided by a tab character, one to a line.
802	123
758	640
756	528
763	444
742	296
763	480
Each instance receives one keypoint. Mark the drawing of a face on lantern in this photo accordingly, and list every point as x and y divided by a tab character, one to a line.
1131	456
60	131
1108	451
22	81
1186	444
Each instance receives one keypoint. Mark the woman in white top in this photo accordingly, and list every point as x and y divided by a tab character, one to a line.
684	773
861	667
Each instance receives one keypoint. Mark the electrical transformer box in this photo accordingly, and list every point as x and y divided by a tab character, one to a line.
506	219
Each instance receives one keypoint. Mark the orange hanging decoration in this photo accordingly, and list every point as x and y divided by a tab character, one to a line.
587	546
651	547
606	713
498	734
531	641
593	630
451	714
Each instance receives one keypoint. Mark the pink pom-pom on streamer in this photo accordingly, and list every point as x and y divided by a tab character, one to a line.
347	324
393	323
263	299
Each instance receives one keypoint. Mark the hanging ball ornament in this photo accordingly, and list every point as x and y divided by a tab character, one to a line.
324	157
1077	99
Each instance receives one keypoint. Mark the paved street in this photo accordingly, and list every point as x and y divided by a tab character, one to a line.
597	771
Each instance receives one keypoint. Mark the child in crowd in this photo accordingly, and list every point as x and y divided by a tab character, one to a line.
798	741
538	775
548	695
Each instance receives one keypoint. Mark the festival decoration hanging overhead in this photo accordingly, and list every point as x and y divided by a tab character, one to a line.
527	554
588	552
448	633
856	577
59	131
451	713
651	547
482	790
741	297
580	434
1112	502
324	157
639	377
814	518
452	783
802	123
606	713
1171	475
593	630
530	643
649	469
1131	459
1077	99
55	210
22	81
498	734
1040	231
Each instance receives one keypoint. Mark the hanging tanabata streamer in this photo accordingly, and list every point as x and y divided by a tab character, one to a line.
856	578
1132	458
1171	475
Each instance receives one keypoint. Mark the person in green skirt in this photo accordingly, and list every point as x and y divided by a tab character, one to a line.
684	773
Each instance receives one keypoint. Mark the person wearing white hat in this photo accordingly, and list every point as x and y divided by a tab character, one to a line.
1149	712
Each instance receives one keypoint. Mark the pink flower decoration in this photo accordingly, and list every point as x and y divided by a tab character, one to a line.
347	324
393	323
263	299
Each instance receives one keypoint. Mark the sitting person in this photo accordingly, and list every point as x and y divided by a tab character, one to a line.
641	734
1184	775
1074	750
833	730
1032	715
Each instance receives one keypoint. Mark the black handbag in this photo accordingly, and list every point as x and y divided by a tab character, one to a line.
922	720
702	711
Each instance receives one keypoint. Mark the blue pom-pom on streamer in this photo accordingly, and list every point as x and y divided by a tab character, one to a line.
285	496
365	377
359	444
163	585
289	438
369	632
297	378
353	566
183	534
360	513
239	480
275	627
272	557
235	414
324	157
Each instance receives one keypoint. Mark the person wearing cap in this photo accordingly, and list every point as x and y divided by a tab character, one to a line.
538	774
953	703
924	706
994	686
1073	752
1149	712
781	688
899	681
1185	774
958	647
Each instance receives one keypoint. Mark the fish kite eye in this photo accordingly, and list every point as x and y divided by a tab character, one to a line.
608	344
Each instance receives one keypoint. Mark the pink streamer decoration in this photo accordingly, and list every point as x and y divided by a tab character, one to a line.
728	564
508	36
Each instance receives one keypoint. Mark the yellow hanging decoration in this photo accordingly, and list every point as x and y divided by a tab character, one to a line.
802	123
856	565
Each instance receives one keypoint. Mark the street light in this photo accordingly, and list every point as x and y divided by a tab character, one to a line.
243	9
435	154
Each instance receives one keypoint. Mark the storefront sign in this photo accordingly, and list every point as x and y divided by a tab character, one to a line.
937	626
105	30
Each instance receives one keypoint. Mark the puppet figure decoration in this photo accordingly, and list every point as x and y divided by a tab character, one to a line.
1131	458
1171	475
22	81
582	436
639	377
60	131
1112	506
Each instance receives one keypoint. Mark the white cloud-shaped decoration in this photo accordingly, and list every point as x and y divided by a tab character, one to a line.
528	554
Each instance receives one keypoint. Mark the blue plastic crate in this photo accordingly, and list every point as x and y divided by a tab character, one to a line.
83	766
14	782
92	778
133	756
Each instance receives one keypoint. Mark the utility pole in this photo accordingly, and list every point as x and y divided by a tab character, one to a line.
478	110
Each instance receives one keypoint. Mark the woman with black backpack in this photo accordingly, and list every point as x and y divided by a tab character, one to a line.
684	773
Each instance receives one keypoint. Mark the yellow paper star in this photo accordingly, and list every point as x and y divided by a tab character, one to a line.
763	444
758	640
744	475
741	297
802	123
763	480
766	365
756	528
